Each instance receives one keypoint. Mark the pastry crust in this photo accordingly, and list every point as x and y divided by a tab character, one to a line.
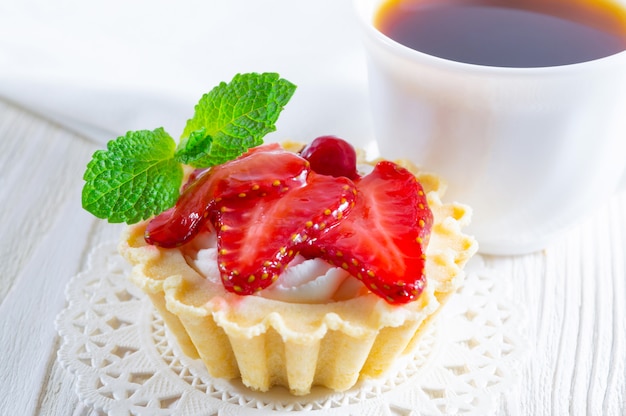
263	341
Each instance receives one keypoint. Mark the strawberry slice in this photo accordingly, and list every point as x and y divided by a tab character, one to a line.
265	170
383	239
258	237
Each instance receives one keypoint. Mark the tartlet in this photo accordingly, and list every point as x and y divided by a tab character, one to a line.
269	342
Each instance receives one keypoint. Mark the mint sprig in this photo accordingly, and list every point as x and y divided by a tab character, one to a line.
140	174
232	118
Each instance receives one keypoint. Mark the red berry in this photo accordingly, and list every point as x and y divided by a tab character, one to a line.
330	155
265	170
258	237
383	239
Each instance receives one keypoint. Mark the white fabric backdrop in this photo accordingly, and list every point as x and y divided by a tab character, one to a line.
104	67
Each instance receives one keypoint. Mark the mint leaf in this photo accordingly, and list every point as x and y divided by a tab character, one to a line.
195	150
233	117
135	178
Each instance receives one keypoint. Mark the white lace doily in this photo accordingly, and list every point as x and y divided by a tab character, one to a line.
126	362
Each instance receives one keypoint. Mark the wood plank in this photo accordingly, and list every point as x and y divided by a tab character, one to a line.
44	234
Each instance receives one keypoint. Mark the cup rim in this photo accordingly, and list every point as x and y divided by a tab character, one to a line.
365	21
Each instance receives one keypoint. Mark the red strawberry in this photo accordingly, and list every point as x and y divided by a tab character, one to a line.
267	169
382	240
258	237
263	170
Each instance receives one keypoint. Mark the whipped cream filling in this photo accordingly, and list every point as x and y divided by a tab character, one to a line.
302	281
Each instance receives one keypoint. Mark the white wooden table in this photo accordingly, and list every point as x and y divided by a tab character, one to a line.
574	292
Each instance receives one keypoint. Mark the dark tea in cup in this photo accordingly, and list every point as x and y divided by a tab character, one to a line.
507	33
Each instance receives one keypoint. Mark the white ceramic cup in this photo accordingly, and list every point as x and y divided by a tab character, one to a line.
531	150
